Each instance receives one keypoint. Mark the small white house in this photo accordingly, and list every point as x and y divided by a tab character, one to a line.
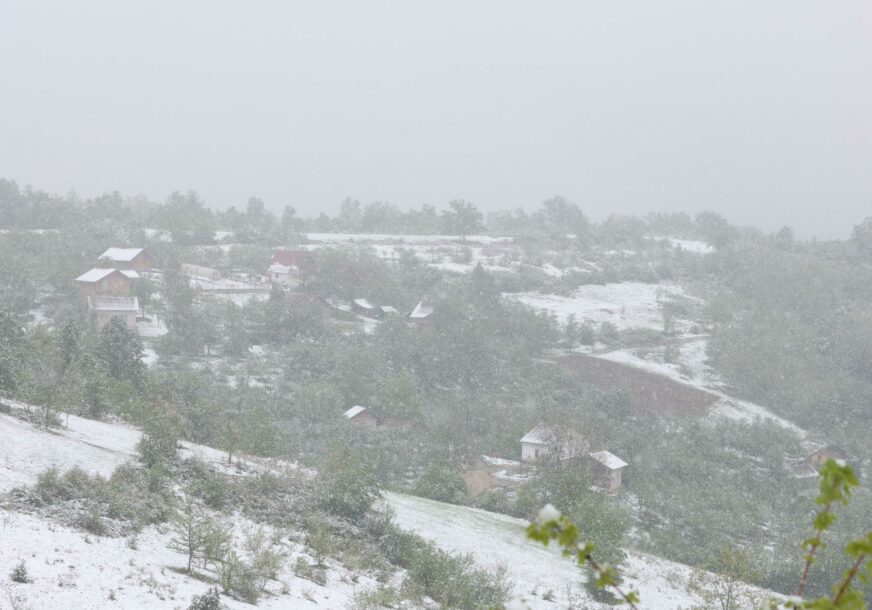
362	417
543	440
421	312
606	469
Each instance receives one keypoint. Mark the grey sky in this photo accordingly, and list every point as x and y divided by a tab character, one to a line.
760	110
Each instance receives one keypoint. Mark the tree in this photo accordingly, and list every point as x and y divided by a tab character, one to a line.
160	437
441	482
189	527
861	237
119	350
11	339
68	340
725	586
462	219
348	488
571	332
560	217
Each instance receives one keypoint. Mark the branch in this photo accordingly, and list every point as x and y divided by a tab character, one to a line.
854	569
810	557
614	586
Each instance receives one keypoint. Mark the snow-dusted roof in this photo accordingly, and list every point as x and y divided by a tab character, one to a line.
388	309
121	255
354	411
608	459
94	275
102	303
421	311
540	435
364	303
279	268
133	275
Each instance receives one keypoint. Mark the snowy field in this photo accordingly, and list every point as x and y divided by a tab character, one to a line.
498	540
625	304
411	239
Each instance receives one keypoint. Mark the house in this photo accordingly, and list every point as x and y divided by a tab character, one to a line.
362	416
283	274
287	266
200	272
107	282
829	452
800	468
104	308
606	469
544	441
421	314
314	302
365	308
136	259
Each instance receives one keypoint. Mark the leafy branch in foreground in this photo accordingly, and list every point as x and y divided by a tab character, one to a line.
837	480
552	525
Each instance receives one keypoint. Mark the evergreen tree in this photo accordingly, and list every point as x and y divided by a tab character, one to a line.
11	339
119	350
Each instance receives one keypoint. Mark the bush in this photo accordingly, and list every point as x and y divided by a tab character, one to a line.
303	569
239	579
19	574
441	482
211	600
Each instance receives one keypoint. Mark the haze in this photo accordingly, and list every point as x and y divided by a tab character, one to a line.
758	110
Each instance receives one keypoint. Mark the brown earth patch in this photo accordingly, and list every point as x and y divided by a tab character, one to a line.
649	393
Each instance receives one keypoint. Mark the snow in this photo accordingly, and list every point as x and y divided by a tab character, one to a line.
540	435
149	356
498	540
384	237
688	245
692	369
27	451
122	255
94	275
354	411
70	569
241	298
495	461
692	245
626	304
421	311
608	459
153	327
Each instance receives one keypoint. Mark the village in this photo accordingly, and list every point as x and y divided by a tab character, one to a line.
109	291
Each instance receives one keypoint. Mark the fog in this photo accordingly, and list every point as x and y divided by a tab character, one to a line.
758	110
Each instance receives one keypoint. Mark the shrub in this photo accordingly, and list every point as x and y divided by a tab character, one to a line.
441	482
19	574
238	578
211	600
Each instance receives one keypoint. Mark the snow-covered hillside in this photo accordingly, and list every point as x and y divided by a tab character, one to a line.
71	569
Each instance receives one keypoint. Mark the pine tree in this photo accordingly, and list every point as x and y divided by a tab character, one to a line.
190	530
11	338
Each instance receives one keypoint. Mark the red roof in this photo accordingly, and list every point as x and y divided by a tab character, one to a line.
290	258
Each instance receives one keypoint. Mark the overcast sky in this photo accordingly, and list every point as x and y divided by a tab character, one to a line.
760	110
